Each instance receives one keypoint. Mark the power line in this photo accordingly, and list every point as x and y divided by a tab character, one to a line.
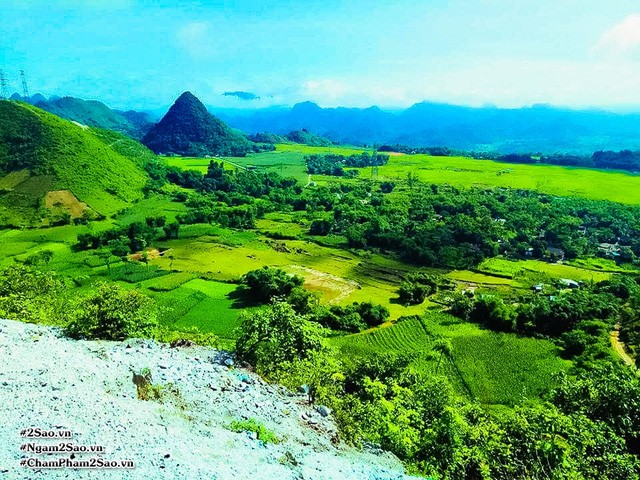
25	89
4	88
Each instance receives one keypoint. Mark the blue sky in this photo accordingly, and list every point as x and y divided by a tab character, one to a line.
143	53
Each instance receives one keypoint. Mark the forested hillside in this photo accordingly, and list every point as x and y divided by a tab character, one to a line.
52	168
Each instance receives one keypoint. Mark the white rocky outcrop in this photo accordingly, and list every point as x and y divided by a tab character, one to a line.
54	383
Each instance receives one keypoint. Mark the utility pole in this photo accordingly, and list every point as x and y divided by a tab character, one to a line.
4	90
25	90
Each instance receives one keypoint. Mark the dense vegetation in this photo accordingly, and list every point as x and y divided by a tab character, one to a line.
334	164
97	114
382	399
441	226
40	152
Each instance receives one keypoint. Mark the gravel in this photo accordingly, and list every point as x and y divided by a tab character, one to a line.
53	383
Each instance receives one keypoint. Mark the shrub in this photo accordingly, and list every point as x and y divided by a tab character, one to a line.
30	295
113	313
252	425
266	283
275	335
411	293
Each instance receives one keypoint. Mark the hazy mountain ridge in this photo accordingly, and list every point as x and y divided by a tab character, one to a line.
531	129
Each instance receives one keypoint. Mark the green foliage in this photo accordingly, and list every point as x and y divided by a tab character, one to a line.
606	393
42	257
351	318
275	335
112	313
252	425
334	164
412	293
32	296
381	399
91	113
267	283
447	227
303	137
189	129
320	227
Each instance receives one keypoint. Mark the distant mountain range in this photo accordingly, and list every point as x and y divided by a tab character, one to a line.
541	128
535	129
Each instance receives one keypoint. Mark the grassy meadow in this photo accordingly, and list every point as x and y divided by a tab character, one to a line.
465	172
461	172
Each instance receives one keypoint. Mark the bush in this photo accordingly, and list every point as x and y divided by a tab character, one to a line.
267	283
412	293
252	425
30	295
273	336
320	227
113	313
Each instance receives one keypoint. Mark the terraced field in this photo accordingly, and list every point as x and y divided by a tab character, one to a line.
493	368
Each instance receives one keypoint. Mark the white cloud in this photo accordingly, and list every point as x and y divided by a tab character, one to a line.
623	38
504	82
197	39
326	89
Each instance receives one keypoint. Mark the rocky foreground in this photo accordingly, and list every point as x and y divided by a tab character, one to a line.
52	383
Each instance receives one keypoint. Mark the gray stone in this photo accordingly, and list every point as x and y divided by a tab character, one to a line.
324	411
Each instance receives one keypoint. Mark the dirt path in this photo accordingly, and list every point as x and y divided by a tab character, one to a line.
618	346
235	164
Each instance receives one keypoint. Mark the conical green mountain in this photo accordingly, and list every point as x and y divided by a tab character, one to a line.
189	129
51	168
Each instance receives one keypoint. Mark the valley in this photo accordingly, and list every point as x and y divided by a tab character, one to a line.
485	276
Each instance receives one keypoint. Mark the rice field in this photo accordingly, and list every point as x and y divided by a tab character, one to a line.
493	368
462	172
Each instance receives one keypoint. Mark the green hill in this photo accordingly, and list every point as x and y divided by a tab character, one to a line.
51	168
94	114
189	129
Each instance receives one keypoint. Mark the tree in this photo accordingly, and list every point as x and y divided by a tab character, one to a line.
607	393
267	283
412	179
387	187
272	336
320	227
303	301
171	230
445	349
411	293
371	314
113	313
